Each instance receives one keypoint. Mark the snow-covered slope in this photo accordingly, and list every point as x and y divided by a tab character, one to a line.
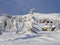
44	38
34	35
50	16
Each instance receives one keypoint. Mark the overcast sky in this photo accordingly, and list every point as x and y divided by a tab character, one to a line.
23	6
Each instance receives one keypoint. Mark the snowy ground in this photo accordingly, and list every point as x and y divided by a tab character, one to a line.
44	38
